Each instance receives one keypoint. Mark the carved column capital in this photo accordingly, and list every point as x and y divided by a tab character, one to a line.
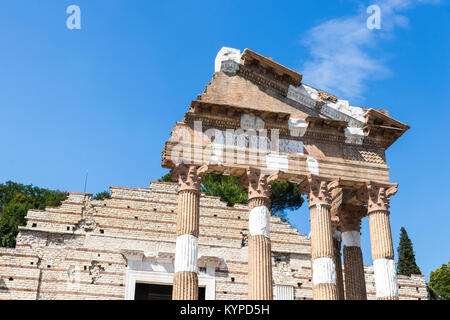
318	189
258	183
189	177
378	196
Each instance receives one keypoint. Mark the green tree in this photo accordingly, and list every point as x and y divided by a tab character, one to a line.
15	201
225	187
406	258
440	282
284	195
166	178
102	195
40	197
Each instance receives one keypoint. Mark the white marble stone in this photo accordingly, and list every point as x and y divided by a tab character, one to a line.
385	278
186	253
354	135
324	271
303	94
226	54
276	161
313	165
351	239
297	127
259	221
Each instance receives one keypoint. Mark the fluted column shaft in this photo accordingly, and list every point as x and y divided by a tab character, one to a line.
322	253
383	256
185	283
381	240
185	286
355	284
350	223
338	264
318	190
259	251
259	244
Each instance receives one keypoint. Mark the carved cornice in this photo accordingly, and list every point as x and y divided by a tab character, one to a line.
258	183
326	123
262	80
267	65
223	116
383	129
189	177
216	114
141	256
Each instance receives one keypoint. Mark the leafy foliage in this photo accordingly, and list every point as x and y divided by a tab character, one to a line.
440	282
406	257
166	178
284	196
225	187
15	201
102	195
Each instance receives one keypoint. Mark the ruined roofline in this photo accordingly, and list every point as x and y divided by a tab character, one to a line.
249	57
293	78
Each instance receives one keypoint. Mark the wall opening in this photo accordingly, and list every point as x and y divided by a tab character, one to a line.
148	291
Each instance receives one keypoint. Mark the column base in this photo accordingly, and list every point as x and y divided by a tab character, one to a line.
185	286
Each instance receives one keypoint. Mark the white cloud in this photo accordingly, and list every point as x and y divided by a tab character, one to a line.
344	51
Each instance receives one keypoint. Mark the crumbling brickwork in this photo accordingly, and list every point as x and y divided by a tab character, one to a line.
76	251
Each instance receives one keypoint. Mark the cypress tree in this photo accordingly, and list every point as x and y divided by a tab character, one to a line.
406	258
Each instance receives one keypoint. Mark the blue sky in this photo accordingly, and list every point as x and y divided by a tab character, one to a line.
105	98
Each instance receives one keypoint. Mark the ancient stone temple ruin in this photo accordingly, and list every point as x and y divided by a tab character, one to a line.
258	121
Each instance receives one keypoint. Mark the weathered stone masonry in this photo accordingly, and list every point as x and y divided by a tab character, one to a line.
258	121
257	115
57	259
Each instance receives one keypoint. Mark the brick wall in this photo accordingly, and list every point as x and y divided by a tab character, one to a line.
75	251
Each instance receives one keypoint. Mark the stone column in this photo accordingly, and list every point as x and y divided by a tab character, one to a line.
259	245
185	283
322	250
338	263
350	222
381	240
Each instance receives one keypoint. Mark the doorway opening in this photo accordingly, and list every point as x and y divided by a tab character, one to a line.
148	291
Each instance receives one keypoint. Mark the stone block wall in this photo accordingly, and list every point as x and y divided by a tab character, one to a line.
76	251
